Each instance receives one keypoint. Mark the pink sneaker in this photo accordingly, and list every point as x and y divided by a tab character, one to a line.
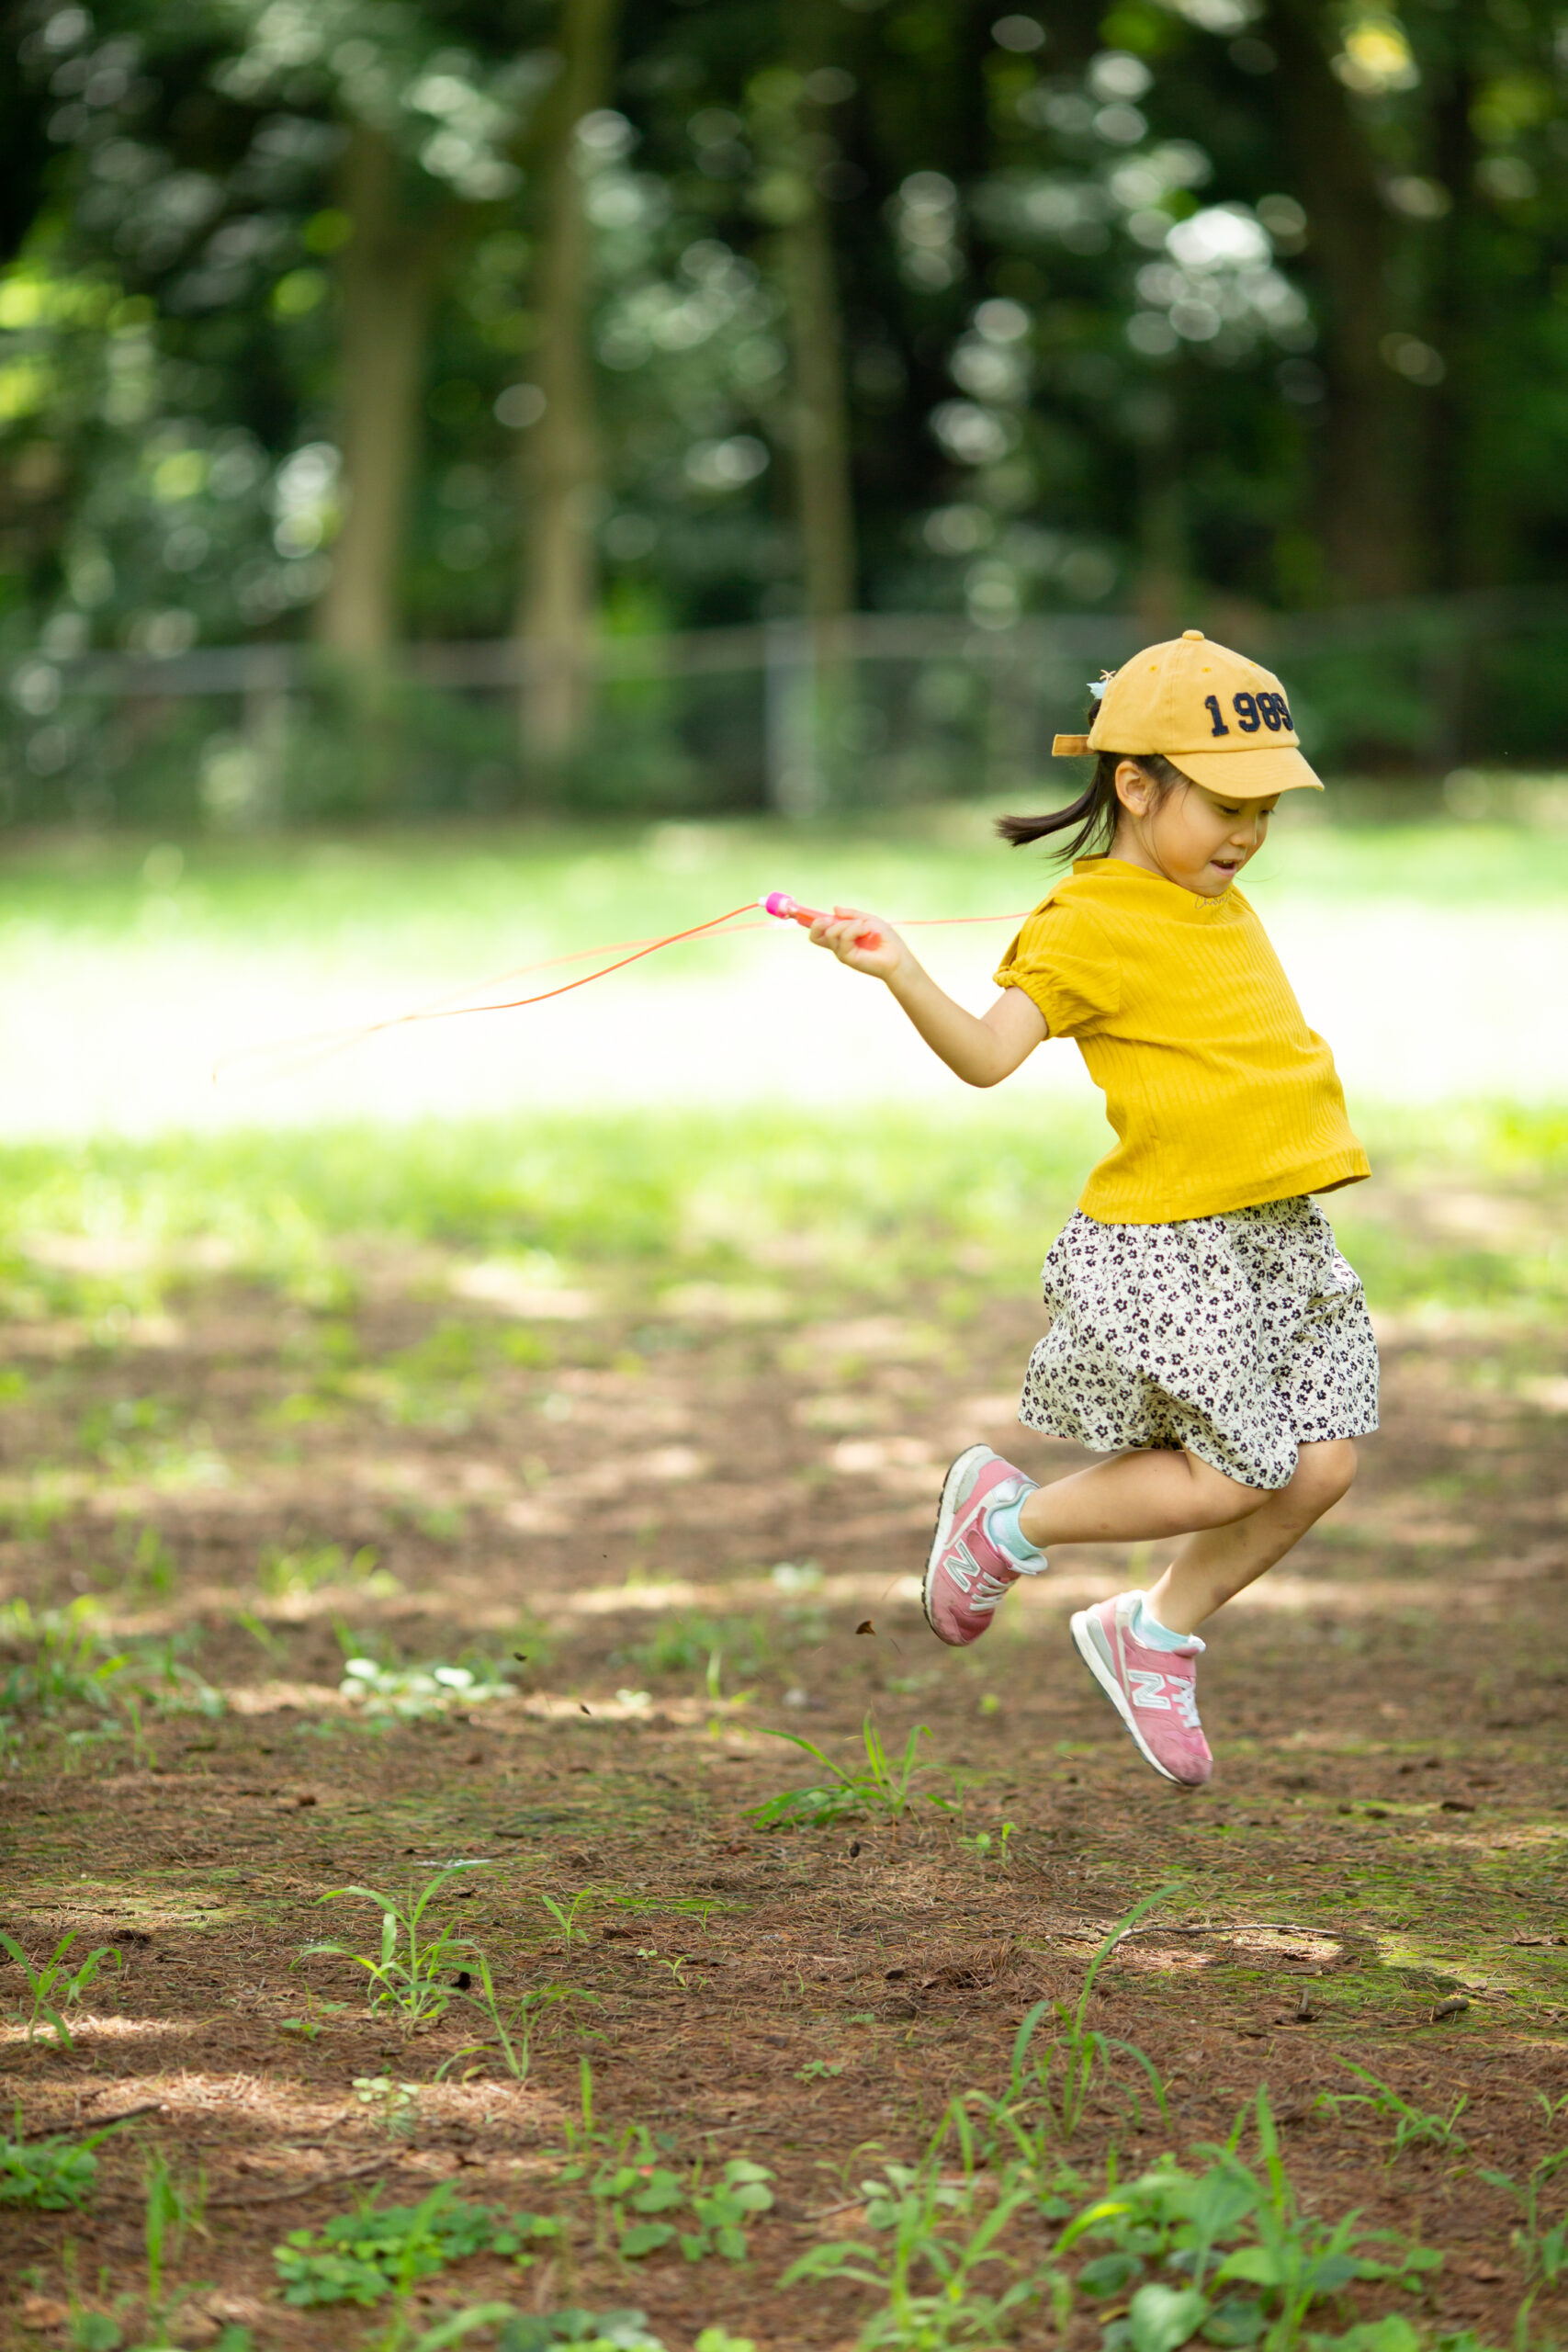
966	1575
1154	1691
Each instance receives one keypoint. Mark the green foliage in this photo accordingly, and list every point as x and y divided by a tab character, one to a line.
512	2028
293	1575
1541	2243
1225	2253
409	1973
53	2176
173	2207
933	2237
363	2256
652	2206
388	2102
1054	2080
1413	2127
617	2331
1250	2265
64	1662
410	1691
62	1659
566	1915
55	1986
878	1790
97	2331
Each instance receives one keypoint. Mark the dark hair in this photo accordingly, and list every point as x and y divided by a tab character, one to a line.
1094	812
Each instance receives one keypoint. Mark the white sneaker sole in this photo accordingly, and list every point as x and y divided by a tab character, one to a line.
1088	1650
947	1511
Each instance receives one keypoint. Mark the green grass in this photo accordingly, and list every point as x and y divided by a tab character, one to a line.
911	1206
451	901
826	1208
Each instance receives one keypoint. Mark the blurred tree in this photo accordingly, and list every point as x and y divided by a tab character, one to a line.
556	613
428	124
1260	301
386	272
787	108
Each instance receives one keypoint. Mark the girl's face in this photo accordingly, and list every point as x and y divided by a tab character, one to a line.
1194	837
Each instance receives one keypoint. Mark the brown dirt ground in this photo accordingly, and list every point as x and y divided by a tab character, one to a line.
1387	1711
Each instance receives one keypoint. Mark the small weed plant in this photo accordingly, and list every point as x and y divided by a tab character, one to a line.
879	1790
409	1691
1051	2081
619	2330
1413	2128
649	2205
411	1974
293	1575
1226	2252
1541	2244
56	1986
567	1915
377	2250
1248	2264
53	2176
393	2104
511	2029
61	1659
931	2237
173	2208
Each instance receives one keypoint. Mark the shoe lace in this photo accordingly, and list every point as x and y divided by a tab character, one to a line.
1186	1696
988	1589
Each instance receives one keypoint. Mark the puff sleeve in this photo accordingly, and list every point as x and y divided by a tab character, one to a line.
1062	960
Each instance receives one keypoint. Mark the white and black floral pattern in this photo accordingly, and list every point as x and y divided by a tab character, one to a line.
1239	1336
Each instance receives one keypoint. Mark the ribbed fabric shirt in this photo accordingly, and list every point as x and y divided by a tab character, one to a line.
1220	1095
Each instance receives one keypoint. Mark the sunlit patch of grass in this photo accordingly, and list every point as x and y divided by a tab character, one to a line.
909	1203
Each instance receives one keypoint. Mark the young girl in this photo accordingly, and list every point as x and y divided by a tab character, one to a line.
1204	1333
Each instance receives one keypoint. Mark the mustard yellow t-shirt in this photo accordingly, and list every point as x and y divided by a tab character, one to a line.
1220	1095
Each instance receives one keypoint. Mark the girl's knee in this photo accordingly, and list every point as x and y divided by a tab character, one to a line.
1221	1501
1325	1474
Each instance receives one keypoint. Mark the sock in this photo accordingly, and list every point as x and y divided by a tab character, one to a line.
1002	1527
1146	1627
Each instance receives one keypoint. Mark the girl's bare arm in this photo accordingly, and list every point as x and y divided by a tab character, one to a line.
982	1049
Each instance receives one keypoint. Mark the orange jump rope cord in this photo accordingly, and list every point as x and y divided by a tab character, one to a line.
317	1045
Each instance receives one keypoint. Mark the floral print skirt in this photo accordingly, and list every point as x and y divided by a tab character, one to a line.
1239	1336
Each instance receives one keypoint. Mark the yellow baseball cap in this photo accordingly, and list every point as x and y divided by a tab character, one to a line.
1222	720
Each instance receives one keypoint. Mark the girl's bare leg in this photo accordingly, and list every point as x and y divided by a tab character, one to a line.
1223	1558
1132	1497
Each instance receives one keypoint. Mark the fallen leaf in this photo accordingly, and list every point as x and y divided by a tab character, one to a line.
865	1626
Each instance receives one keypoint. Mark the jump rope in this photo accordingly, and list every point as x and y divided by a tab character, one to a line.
285	1055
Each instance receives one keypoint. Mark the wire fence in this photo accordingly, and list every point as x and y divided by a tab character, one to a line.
876	711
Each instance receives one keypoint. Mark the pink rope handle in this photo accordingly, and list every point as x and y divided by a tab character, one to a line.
317	1045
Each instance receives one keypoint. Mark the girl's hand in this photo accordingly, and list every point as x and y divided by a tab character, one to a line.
840	931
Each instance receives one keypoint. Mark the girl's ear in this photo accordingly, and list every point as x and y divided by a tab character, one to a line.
1133	790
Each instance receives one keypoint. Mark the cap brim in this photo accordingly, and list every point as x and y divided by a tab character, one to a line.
1250	774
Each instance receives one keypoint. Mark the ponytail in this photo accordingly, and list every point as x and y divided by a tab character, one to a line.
1094	812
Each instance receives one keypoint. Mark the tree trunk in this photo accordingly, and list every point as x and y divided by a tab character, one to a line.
1460	534
787	132
819	421
1368	477
558	604
385	278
